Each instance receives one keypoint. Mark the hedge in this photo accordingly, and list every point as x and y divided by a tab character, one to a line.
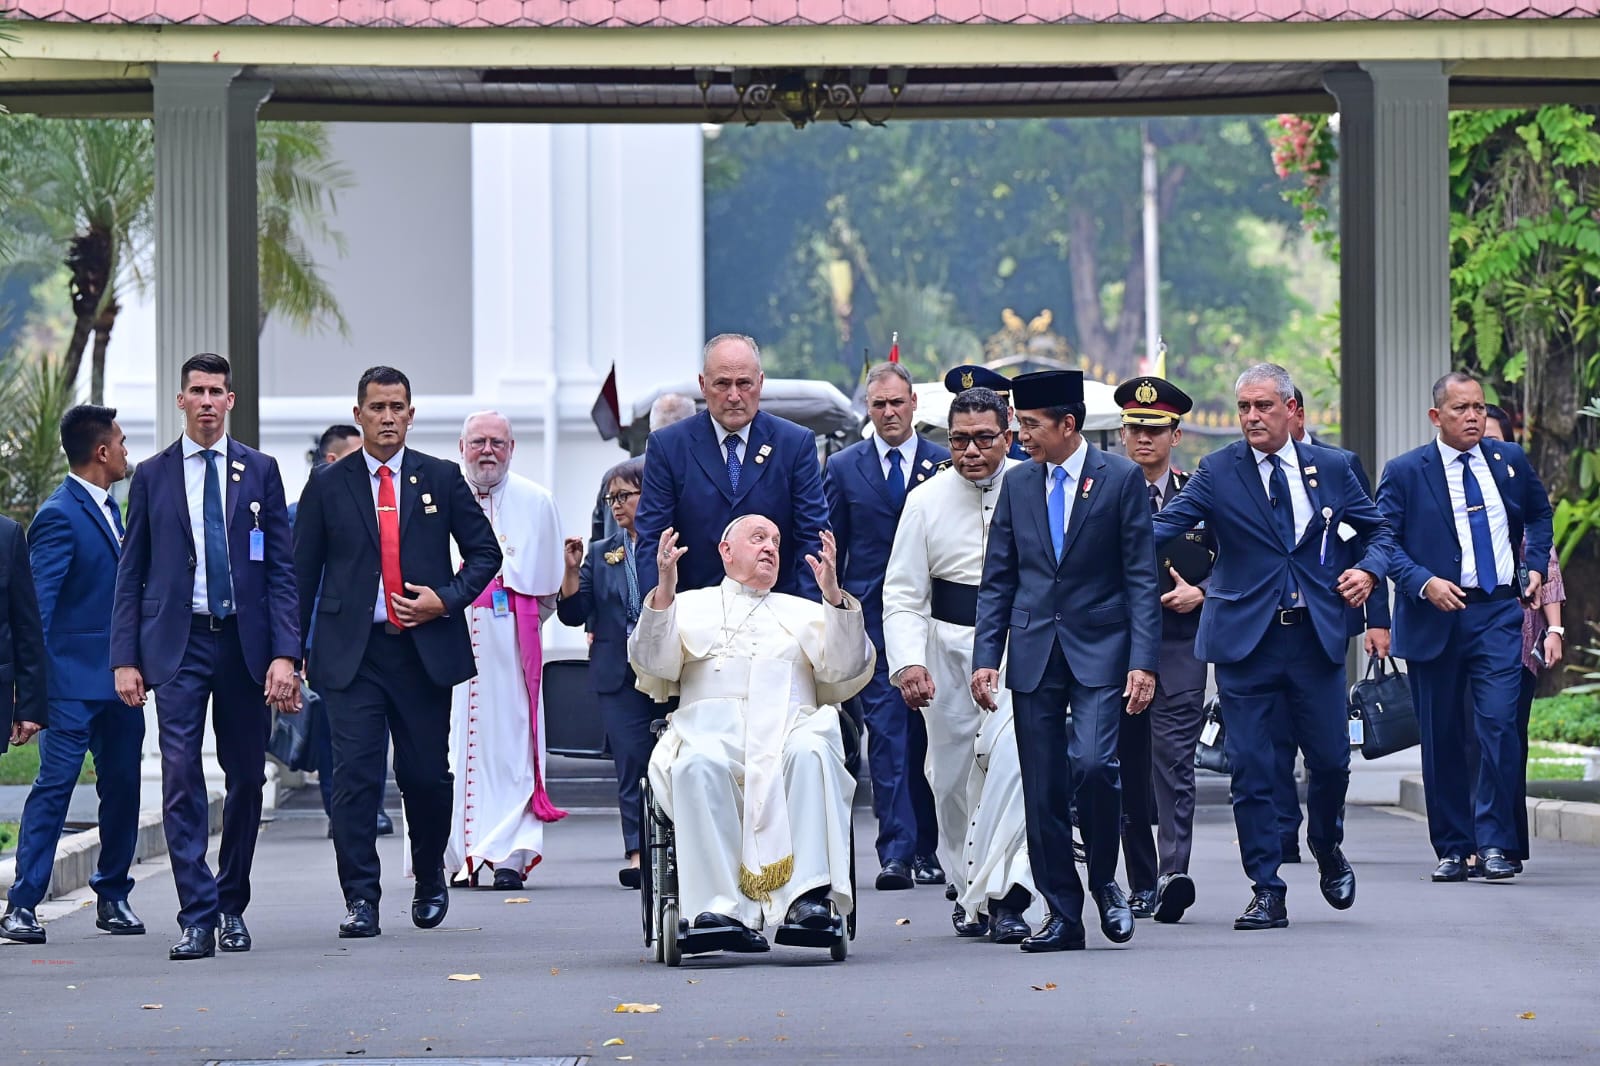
1567	718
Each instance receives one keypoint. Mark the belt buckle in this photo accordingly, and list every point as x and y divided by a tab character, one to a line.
214	623
1288	616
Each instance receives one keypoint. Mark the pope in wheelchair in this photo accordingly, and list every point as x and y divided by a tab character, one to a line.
748	778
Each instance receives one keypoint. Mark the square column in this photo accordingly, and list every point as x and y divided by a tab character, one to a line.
1394	233
206	270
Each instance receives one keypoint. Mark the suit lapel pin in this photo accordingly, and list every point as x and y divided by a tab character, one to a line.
413	479
1496	456
237	465
761	456
1088	483
1511	471
1313	482
1311	470
236	477
921	477
927	464
426	498
430	509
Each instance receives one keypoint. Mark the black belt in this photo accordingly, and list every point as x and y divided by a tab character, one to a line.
211	622
1293	616
1503	592
388	629
955	603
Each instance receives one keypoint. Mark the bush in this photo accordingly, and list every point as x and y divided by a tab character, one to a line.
1567	718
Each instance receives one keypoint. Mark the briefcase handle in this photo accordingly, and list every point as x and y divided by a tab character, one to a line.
1382	667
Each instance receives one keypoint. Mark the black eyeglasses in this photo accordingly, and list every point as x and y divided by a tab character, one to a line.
960	441
614	498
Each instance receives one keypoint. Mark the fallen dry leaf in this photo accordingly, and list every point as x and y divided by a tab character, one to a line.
1527	1016
465	977
615	1041
692	980
517	899
555	970
624	1058
902	921
1048	986
636	1008
149	1006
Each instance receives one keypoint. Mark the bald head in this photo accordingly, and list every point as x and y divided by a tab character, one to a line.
486	445
730	380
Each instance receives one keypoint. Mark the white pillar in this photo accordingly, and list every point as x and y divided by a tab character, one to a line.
1394	230
205	255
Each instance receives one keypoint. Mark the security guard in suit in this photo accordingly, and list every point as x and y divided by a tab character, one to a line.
1156	748
971	375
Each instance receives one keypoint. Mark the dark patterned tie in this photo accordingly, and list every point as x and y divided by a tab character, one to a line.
1155	498
1478	523
731	442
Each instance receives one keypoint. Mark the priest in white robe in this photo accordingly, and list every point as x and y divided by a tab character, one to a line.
496	736
751	766
930	597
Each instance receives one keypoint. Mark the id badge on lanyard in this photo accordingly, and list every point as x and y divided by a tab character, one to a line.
501	603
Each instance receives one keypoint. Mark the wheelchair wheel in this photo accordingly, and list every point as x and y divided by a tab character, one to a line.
671	953
647	853
839	950
850	919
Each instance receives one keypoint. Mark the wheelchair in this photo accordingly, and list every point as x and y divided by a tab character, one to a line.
668	931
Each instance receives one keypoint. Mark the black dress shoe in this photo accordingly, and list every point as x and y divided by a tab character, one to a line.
745	939
971	929
19	924
925	870
1055	935
117	918
1289	850
385	825
430	903
1266	911
1450	868
1496	867
508	880
1008	927
1174	895
361	921
233	936
1142	903
1335	877
628	877
894	876
197	942
1516	866
1116	920
1474	869
809	912
950	893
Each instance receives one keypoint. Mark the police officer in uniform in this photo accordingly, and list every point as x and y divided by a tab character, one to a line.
971	375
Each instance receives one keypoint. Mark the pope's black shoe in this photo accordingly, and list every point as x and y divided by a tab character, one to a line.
1142	903
746	940
894	876
1116	920
430	902
233	936
508	880
197	942
1174	895
361	921
1496	867
1266	911
1055	935
21	925
810	912
964	928
925	870
1450	868
1335	877
1007	926
117	918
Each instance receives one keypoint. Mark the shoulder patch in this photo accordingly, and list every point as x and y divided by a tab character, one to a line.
944	465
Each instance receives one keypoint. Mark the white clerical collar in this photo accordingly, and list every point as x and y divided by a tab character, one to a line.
1073	466
393	462
96	493
192	448
736	588
907	449
1289	456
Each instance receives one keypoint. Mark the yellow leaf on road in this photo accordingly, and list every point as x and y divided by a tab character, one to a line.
516	899
149	1006
636	1008
1048	986
1527	1016
465	977
615	1041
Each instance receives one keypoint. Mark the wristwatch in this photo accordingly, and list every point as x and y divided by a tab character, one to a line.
1560	631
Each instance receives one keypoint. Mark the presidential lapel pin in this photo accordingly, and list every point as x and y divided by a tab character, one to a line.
1088	483
430	509
1311	470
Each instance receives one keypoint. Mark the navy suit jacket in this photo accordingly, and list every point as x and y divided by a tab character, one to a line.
155	577
74	552
686	487
1100	602
1226	493
1413	494
22	665
601	603
864	518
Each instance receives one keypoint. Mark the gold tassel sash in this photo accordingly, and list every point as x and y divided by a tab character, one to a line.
774	875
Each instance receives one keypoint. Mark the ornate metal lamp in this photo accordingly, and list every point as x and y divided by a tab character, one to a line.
803	96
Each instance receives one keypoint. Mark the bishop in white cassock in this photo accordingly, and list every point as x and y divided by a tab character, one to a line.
929	601
751	766
496	735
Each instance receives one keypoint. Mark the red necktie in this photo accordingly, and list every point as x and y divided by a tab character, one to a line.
389	543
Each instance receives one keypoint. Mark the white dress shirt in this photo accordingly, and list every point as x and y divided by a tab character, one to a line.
380	610
194	484
102	500
1505	564
1070	487
743	433
1299	498
908	453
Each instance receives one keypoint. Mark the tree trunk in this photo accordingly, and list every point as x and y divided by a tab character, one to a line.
72	360
97	368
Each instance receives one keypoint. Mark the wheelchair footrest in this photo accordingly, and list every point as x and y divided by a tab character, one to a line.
693	941
800	936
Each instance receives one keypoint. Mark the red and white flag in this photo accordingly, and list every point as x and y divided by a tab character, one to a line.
607	416
894	347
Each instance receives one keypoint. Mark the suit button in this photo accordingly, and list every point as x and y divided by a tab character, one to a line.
1058	618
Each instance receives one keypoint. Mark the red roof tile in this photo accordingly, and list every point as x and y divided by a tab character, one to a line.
666	13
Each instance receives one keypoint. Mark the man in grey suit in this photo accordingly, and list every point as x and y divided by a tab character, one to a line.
1069	581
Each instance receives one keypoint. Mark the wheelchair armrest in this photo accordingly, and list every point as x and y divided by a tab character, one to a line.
657	727
850	734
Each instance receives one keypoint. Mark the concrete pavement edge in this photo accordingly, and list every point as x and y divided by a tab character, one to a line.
1548	819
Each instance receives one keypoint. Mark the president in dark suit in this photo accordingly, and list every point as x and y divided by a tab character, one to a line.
1069	582
205	612
866	486
74	541
732	459
373	531
1275	624
1461	508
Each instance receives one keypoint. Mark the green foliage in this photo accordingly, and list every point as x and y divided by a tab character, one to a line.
1566	719
33	396
19	766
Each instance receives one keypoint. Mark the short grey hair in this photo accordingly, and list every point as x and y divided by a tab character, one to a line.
465	422
755	349
668	408
1442	386
890	370
1268	373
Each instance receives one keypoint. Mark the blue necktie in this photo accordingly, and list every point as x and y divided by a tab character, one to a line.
1478	523
1282	503
731	442
115	514
218	601
897	478
1056	507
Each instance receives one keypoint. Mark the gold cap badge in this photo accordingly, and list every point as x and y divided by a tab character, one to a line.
1145	393
966	380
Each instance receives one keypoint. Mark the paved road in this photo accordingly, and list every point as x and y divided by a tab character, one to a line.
1415	973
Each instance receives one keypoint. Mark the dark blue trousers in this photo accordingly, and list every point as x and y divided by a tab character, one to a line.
897	746
1287	683
213	669
1065	759
627	714
114	733
1284	795
1472	690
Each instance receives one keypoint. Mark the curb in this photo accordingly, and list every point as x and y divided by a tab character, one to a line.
78	854
1568	820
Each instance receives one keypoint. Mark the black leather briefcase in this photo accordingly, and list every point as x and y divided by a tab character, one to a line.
1382	703
1210	753
290	742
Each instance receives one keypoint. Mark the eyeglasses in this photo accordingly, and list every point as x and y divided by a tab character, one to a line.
960	441
616	499
477	444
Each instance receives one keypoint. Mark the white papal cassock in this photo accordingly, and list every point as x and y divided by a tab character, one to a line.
971	766
751	765
497	720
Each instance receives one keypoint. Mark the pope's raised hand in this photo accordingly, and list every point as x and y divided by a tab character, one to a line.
826	568
667	555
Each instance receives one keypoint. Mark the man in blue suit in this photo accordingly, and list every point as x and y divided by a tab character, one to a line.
1069	583
1473	526
206	612
1275	624
866	486
731	459
74	541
